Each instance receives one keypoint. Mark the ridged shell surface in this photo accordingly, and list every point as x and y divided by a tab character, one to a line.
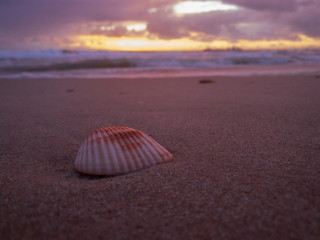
117	150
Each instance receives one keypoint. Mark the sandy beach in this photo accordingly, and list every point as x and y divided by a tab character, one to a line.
246	158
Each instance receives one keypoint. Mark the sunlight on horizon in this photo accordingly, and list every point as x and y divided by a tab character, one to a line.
98	42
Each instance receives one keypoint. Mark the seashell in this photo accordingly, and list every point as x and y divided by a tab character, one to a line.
117	150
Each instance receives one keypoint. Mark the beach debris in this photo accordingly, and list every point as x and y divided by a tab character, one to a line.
117	150
203	81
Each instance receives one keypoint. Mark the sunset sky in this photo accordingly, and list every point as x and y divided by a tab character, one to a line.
149	25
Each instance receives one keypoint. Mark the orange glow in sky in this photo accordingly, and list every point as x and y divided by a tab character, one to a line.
98	42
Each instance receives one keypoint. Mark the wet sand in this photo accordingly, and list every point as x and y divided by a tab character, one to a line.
246	165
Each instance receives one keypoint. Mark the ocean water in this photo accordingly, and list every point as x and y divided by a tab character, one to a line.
108	64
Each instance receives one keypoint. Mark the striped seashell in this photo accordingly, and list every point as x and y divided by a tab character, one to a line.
117	150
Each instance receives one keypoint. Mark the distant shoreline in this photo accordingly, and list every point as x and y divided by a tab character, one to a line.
232	71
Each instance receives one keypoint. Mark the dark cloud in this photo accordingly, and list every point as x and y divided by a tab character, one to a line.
295	16
272	19
267	5
40	16
225	25
306	19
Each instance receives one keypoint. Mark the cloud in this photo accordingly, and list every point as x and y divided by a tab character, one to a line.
295	16
242	24
269	5
305	19
41	16
272	19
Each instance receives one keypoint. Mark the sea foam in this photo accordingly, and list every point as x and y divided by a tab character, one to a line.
81	63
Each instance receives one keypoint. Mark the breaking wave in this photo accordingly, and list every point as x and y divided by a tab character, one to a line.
85	64
81	63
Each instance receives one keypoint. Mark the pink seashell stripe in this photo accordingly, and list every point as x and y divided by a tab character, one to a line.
117	150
